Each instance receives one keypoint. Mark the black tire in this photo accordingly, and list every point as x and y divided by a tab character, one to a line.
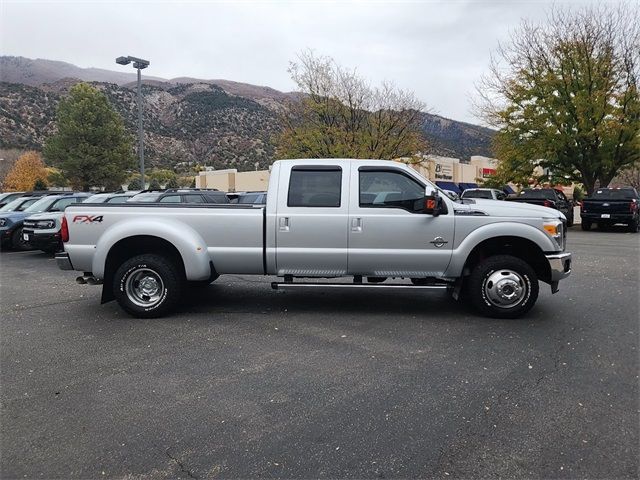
634	225
516	278
17	241
585	225
154	270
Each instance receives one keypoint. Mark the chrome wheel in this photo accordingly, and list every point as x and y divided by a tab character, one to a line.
144	287
505	288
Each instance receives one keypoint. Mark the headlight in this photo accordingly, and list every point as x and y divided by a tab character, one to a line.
555	229
45	224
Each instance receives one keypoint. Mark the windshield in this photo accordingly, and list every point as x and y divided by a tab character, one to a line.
42	204
614	194
477	194
97	198
145	197
548	194
12	205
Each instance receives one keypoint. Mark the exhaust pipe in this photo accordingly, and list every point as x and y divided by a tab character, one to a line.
88	280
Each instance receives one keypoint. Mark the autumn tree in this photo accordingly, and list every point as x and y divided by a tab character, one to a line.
28	169
339	115
90	146
564	96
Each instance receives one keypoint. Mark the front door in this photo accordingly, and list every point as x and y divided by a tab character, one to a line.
388	235
311	221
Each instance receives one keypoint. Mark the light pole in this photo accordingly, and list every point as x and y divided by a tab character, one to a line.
138	64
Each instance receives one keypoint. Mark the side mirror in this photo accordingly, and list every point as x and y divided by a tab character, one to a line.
432	203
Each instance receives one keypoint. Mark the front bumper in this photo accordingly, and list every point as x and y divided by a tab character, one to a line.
63	261
43	241
560	267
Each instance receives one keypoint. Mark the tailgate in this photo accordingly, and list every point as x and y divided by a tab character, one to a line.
606	206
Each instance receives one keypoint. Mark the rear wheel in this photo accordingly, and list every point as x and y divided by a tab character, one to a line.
147	286
570	220
634	225
586	225
503	286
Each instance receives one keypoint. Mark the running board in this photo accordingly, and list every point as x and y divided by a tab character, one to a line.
281	285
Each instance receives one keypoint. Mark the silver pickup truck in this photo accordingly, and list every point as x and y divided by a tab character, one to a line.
367	219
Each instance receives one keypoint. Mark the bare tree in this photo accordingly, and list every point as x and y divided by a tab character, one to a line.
341	115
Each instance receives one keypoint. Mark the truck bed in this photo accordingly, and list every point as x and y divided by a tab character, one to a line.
232	234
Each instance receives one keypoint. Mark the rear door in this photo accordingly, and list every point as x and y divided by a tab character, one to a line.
312	218
388	236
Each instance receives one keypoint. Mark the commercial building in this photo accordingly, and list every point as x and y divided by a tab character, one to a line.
447	172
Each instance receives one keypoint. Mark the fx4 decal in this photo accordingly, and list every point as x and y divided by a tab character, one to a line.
87	219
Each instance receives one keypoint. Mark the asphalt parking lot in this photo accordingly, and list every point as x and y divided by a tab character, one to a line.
248	382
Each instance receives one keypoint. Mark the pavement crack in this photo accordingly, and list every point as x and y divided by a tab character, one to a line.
183	469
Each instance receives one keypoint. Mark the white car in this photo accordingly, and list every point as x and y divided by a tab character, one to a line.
485	193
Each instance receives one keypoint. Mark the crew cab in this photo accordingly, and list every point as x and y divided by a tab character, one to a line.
546	197
608	206
323	219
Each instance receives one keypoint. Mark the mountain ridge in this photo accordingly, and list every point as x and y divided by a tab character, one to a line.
221	123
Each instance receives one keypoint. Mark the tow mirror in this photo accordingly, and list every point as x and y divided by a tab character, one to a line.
432	202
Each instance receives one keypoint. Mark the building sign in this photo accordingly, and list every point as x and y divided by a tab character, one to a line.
487	172
444	171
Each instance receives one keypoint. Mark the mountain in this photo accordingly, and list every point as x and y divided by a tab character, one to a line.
219	123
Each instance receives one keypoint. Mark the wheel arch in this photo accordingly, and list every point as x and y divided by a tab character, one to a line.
519	247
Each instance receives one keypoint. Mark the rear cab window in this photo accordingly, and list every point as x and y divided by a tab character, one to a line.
315	187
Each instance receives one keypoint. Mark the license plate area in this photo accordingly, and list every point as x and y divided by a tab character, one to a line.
605	215
25	237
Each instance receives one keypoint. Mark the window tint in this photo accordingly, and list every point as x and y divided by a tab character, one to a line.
170	199
477	194
387	189
193	199
122	199
314	188
248	198
60	205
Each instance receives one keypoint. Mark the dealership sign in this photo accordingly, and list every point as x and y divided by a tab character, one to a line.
444	171
487	172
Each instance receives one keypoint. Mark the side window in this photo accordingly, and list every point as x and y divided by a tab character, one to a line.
193	199
389	189
310	187
170	199
60	205
501	196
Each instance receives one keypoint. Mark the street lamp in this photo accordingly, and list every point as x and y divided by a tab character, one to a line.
138	64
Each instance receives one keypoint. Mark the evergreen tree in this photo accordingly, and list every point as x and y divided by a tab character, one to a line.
90	146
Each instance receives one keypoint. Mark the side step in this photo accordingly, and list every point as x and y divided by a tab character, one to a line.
285	285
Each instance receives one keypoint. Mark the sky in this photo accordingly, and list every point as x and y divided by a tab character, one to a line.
436	48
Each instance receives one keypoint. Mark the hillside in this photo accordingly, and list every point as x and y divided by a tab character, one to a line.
220	123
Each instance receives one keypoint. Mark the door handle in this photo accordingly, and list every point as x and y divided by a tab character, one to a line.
284	224
356	224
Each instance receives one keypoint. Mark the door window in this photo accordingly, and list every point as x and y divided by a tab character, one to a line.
390	189
318	187
193	199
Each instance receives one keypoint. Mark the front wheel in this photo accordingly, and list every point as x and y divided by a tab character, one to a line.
585	225
503	286
147	286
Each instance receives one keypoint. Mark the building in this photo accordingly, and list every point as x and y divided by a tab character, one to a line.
447	172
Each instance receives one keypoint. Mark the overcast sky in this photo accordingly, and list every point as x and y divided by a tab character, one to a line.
438	49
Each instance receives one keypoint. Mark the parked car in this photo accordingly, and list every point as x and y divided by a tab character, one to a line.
608	206
181	196
322	219
546	197
111	197
486	193
7	197
38	226
451	194
18	204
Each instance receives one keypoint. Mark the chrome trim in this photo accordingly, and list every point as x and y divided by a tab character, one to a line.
63	261
560	265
